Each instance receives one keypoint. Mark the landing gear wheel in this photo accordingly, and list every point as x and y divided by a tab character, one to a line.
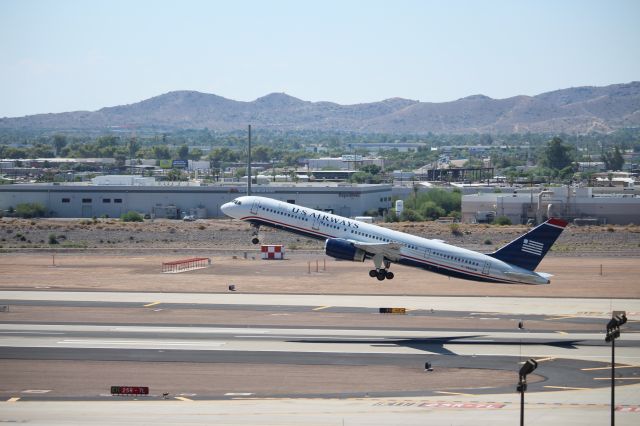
255	240
381	275
373	273
389	275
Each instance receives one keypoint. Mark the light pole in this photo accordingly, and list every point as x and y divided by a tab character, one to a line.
613	332
526	369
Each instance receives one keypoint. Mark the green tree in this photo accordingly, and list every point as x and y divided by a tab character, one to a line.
183	152
613	160
556	155
176	175
59	142
104	146
41	151
161	152
261	154
371	169
134	147
361	177
195	154
222	155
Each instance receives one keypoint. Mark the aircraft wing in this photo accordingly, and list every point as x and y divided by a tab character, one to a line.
389	250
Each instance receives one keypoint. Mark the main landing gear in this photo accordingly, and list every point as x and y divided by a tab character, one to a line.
254	233
381	273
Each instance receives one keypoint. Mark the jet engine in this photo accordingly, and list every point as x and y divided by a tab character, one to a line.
343	249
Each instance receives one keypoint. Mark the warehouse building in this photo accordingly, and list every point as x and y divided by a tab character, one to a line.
182	198
581	205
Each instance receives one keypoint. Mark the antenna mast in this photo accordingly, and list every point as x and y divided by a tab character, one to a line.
249	164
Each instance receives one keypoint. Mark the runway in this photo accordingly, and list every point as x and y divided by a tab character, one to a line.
507	305
220	346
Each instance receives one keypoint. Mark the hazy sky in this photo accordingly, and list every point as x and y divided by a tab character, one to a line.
86	54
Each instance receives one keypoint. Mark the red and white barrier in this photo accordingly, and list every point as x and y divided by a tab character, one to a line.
272	251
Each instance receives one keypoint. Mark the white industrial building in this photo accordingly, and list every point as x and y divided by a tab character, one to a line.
346	162
118	195
582	205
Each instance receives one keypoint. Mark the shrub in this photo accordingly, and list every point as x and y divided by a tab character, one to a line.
53	239
502	220
488	242
29	210
431	210
131	216
391	216
411	216
372	213
455	229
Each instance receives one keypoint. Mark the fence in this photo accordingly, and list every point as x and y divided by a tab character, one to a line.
185	265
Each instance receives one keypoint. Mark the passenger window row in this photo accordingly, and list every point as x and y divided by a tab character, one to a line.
458	259
282	213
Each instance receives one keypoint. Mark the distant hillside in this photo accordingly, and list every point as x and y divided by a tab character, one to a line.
574	110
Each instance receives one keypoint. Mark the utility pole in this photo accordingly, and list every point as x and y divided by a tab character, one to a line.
249	164
526	369
613	332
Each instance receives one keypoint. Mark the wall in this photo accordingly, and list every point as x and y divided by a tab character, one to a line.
73	200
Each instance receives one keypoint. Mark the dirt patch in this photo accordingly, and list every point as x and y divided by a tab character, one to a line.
573	276
94	378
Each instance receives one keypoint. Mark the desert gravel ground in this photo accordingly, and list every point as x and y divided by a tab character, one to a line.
232	234
106	254
134	271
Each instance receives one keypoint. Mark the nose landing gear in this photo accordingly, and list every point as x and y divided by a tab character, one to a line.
255	229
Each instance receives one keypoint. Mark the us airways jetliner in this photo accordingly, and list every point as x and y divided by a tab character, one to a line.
353	240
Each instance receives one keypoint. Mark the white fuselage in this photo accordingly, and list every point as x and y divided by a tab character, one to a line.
430	254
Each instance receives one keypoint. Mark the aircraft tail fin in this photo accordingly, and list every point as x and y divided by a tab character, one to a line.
528	250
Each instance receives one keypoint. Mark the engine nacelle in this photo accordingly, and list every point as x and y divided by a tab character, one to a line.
343	249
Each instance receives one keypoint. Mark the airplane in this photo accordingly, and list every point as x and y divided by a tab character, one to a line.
353	240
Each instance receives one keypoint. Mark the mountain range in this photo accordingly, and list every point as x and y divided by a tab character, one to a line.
574	110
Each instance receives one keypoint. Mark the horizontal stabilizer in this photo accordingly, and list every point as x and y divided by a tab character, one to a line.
528	250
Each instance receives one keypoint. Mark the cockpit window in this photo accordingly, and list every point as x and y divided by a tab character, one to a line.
237	202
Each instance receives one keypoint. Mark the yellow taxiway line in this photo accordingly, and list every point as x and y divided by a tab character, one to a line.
607	368
182	398
566	388
319	308
14	399
560	317
148	305
545	359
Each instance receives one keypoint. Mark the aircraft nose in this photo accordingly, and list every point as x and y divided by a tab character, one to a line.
226	208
